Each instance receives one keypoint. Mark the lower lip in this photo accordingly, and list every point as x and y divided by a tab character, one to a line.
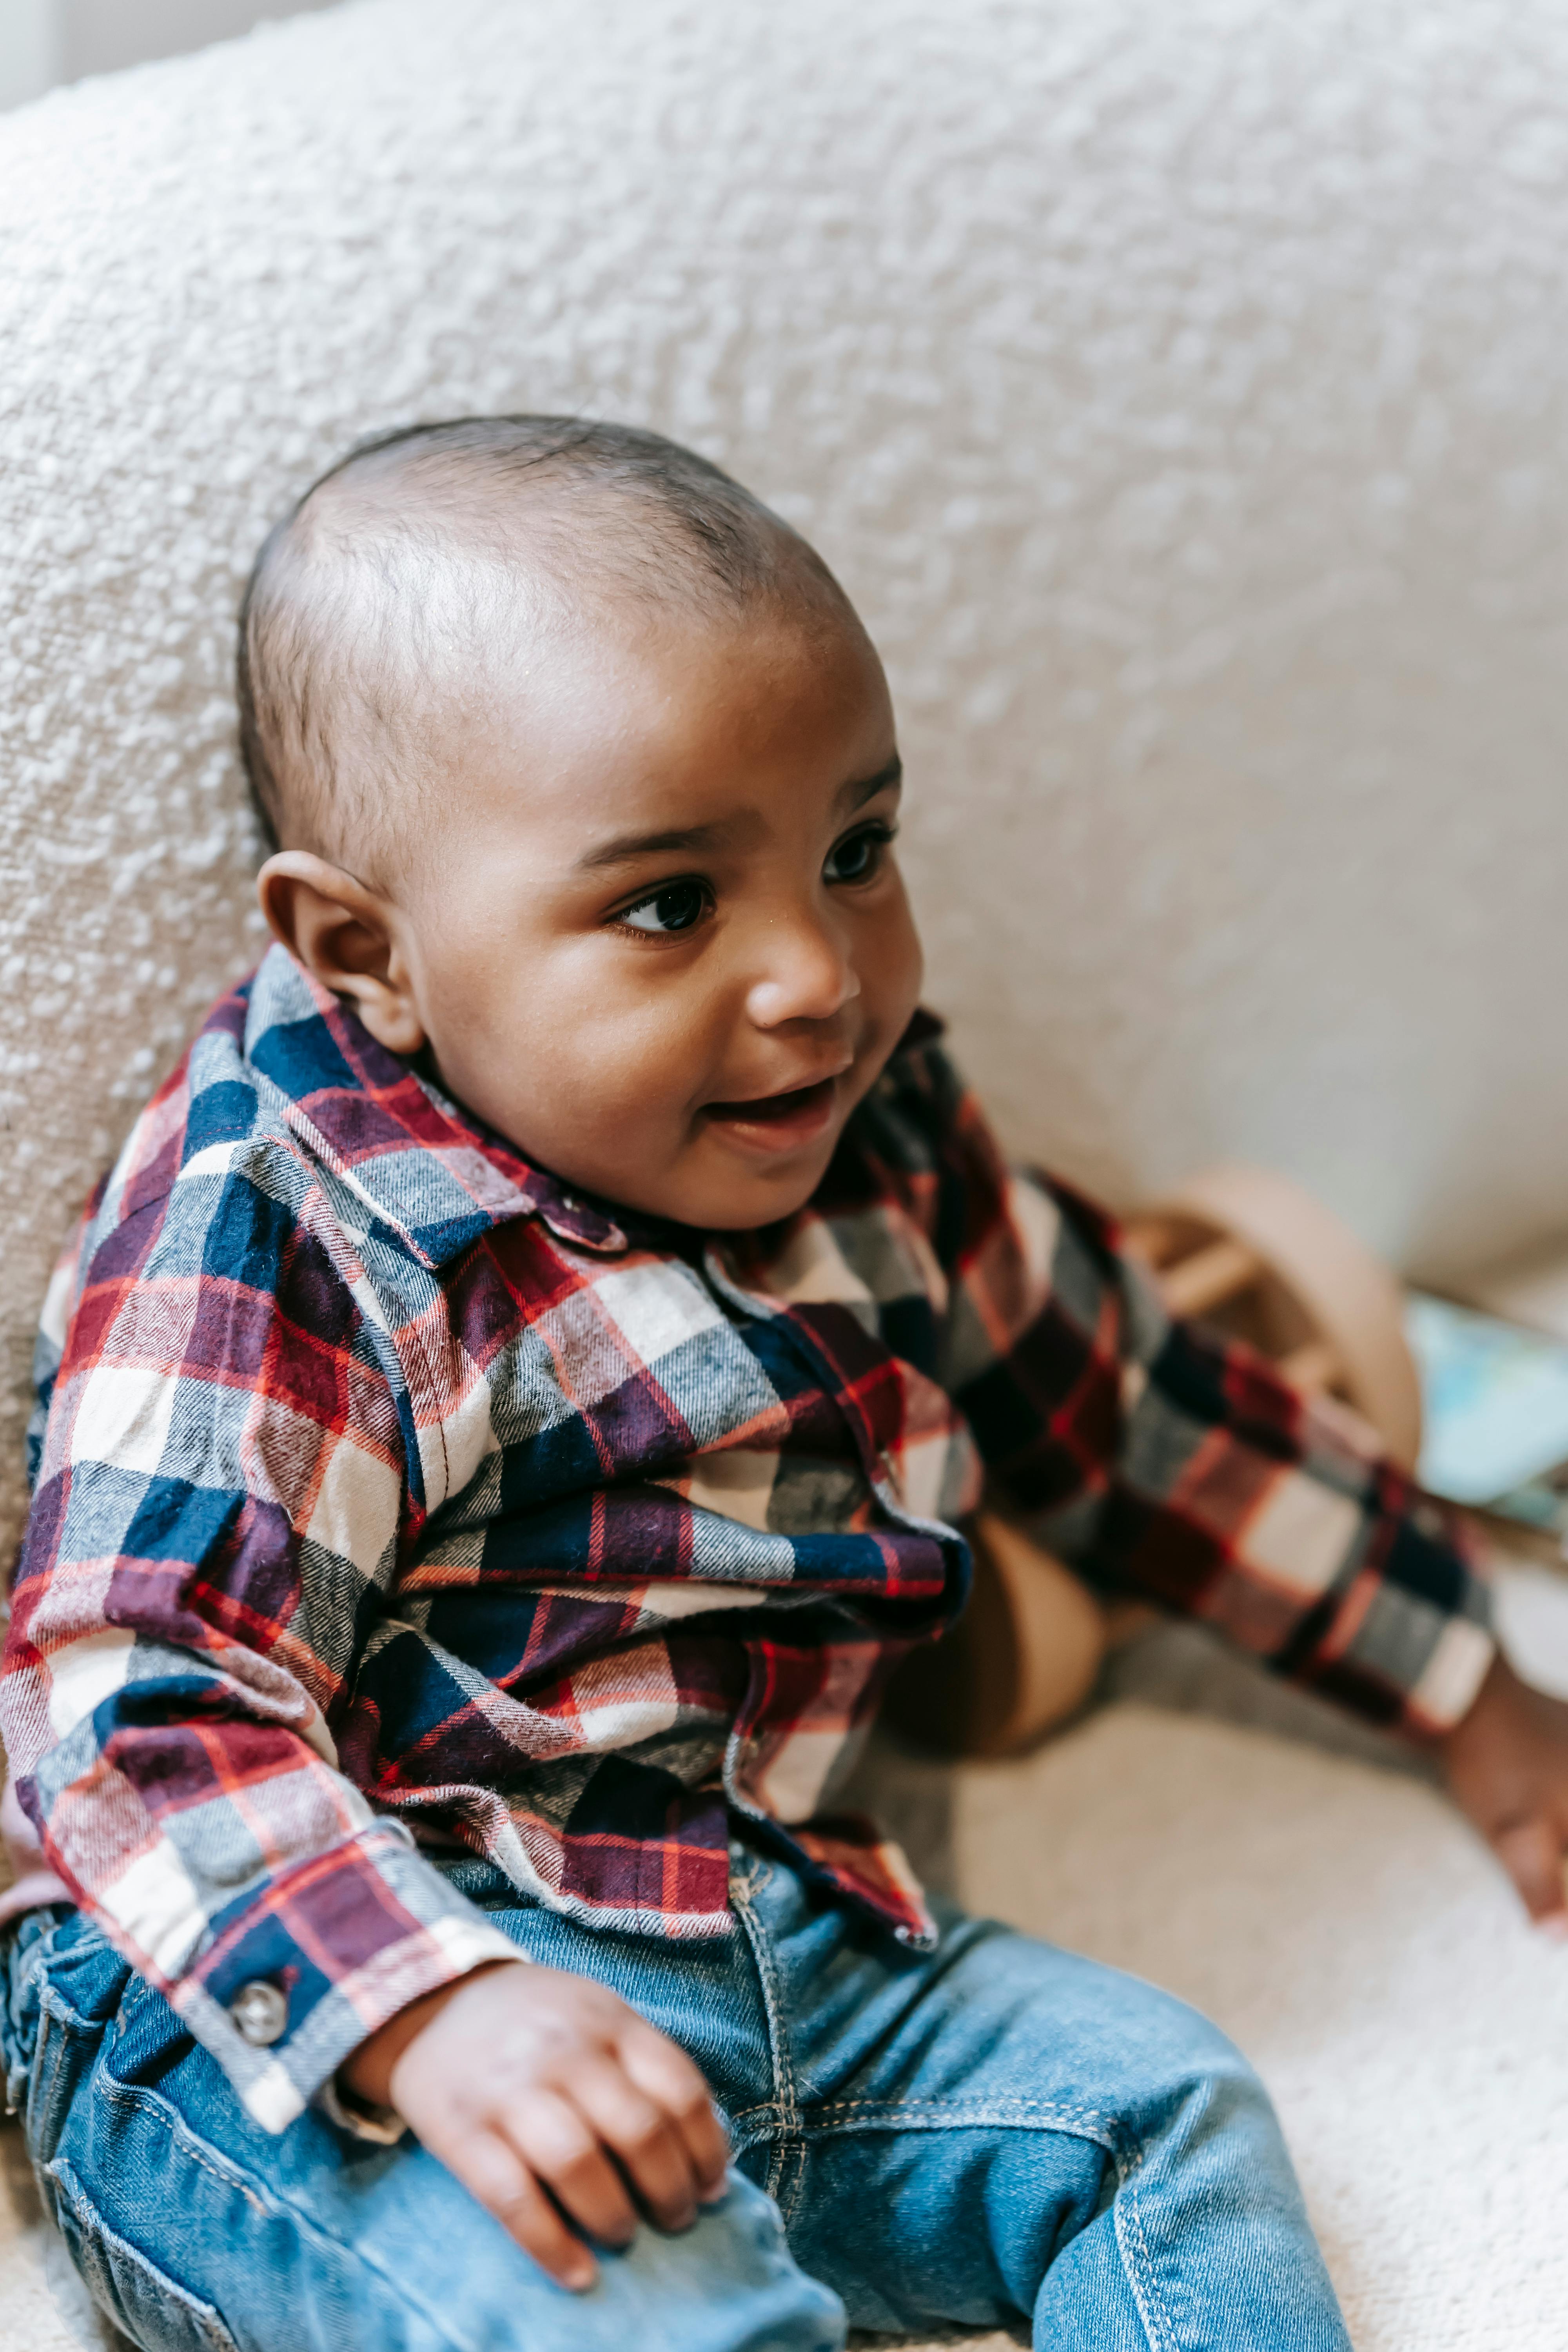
795	1121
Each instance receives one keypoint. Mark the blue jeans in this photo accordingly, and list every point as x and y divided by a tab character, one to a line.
995	2133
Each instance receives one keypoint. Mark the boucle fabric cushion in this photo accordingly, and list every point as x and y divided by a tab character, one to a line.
1176	383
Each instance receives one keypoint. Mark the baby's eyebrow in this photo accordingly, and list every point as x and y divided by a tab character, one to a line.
865	788
627	846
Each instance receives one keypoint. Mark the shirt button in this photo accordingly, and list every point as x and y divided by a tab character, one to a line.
260	2010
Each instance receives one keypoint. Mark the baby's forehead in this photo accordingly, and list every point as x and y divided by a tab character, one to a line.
425	577
647	717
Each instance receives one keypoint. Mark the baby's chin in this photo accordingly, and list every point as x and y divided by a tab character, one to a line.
727	1190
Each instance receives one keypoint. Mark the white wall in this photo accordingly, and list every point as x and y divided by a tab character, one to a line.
29	48
46	41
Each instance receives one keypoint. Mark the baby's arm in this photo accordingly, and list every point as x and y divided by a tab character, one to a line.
534	2085
218	1507
1169	1462
1193	1474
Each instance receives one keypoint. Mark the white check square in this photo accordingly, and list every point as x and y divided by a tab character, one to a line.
1299	1535
657	1309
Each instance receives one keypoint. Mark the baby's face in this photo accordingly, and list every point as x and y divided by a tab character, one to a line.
658	938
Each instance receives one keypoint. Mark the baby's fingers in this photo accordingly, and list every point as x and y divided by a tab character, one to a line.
667	2075
562	2149
495	2174
1532	1853
643	2138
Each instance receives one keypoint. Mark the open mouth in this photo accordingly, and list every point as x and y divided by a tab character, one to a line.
781	1121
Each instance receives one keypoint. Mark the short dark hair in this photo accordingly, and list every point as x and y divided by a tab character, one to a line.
695	536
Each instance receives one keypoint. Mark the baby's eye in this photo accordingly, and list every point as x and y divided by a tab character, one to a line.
856	858
676	908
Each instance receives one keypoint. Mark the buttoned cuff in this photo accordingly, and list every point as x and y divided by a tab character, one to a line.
291	1986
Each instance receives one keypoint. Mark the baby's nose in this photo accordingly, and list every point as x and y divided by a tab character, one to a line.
810	978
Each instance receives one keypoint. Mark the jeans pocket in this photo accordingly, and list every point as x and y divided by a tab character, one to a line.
144	2303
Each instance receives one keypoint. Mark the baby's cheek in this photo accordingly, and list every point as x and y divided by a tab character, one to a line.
896	968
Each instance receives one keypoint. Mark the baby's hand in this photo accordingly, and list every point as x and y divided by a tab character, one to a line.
1507	1764
524	2079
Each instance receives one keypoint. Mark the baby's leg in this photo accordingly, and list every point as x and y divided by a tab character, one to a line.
199	2232
1001	2131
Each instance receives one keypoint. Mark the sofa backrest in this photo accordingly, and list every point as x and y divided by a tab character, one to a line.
1177	385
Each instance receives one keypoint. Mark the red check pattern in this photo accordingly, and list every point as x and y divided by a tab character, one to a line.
392	1504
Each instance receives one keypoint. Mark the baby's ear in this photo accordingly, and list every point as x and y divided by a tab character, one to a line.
346	936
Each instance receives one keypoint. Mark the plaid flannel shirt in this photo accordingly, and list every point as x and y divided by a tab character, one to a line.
390	1502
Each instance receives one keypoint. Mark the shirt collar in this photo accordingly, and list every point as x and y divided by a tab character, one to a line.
423	1166
437	1176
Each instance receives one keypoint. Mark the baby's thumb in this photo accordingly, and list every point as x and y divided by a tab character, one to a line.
1532	1853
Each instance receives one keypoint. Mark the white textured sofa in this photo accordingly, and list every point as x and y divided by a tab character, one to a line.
1177	384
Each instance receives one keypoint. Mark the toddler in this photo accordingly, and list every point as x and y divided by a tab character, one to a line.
509	1409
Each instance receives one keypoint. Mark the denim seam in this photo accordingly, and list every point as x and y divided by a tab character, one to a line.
212	2161
1141	2277
1021	2114
93	2223
932	2115
50	2044
200	2151
1087	2122
785	2104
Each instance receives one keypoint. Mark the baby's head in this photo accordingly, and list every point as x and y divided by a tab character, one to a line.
583	776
